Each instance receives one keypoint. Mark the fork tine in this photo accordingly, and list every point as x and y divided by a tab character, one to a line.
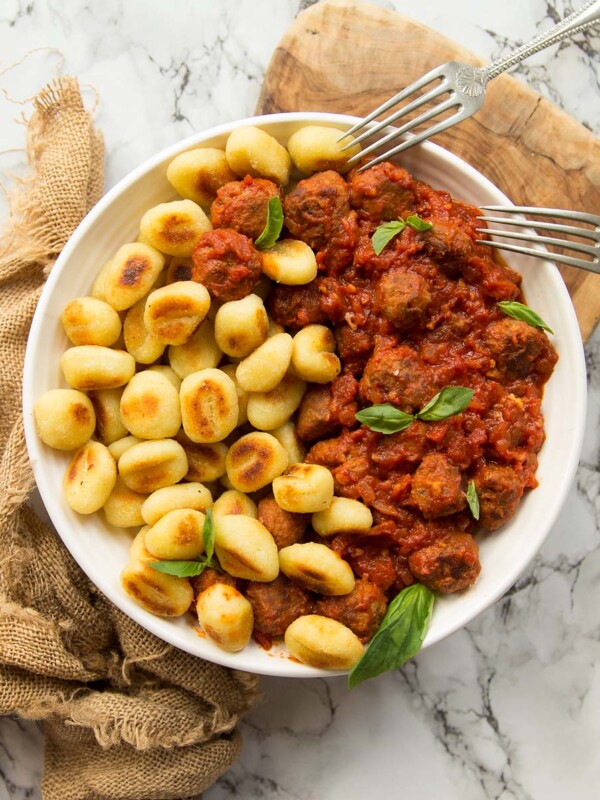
527	237
433	112
586	233
417	103
591	266
561	213
397	98
416	139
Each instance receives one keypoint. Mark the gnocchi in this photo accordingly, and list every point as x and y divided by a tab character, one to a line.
148	466
191	495
131	274
314	148
90	366
269	410
316	567
176	535
233	501
149	406
304	489
139	342
241	326
265	368
87	320
254	461
209	405
173	312
323	642
107	406
225	616
64	418
198	174
123	508
313	358
343	516
291	262
206	462
160	594
245	548
201	351
175	228
252	151
90	478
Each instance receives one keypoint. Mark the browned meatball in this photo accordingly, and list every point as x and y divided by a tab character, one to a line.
315	208
383	192
208	577
362	610
325	408
448	245
286	528
397	375
354	347
277	604
227	263
500	490
403	298
297	306
437	487
515	346
450	564
242	205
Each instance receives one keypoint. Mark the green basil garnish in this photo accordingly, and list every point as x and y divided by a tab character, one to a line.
386	232
473	499
451	400
400	635
183	569
524	313
208	535
385	418
273	227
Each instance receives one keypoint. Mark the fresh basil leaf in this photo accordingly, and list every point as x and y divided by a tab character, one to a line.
400	635
451	400
181	569
208	535
524	313
418	224
273	227
385	233
473	499
384	418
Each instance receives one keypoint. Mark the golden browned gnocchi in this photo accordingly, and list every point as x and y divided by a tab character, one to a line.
225	616
291	262
64	418
304	489
343	516
233	501
174	228
93	367
245	548
198	174
251	151
107	405
314	148
323	642
254	461
191	495
201	351
173	312
131	274
148	466
160	594
316	567
87	320
123	508
209	405
90	478
313	358
150	406
269	410
241	326
265	368
118	447
206	461
99	282
288	438
139	342
230	369
177	535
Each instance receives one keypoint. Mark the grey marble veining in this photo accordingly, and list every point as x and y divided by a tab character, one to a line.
507	709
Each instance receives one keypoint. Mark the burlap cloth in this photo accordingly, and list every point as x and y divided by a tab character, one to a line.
124	715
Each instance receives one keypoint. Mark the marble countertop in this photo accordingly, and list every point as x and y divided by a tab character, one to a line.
508	708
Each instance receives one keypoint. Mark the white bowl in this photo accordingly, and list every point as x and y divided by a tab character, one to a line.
101	551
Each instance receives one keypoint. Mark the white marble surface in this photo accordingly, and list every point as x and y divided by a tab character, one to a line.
508	708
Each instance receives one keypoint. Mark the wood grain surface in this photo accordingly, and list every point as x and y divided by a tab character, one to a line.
349	57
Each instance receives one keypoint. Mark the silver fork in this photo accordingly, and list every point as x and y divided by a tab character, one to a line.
575	216
465	86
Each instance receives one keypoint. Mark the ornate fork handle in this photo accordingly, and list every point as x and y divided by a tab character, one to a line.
585	17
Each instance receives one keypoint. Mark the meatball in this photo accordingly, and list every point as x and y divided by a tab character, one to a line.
499	489
208	577
383	192
362	610
227	263
325	408
515	346
403	298
448	245
297	306
277	604
242	205
315	208
437	487
397	375
285	527
354	346
450	564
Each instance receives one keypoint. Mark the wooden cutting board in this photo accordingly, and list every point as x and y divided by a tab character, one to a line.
349	57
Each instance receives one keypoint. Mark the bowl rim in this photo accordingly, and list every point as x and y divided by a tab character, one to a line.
35	449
